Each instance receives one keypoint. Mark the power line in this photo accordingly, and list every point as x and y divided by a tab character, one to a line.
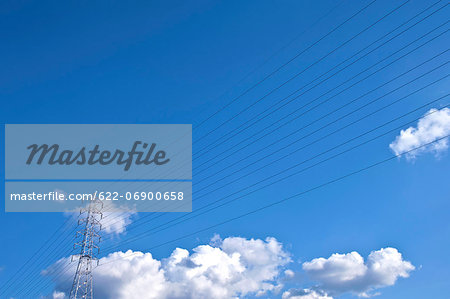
277	174
288	198
58	251
336	87
311	65
289	61
335	110
265	62
50	241
378	61
8	284
383	44
64	270
359	145
332	122
404	55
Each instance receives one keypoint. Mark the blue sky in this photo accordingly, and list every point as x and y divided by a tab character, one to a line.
179	62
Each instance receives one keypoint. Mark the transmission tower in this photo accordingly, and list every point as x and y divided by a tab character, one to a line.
88	236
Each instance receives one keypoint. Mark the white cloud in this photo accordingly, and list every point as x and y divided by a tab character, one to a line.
233	268
289	273
435	124
304	294
116	222
58	295
349	273
115	219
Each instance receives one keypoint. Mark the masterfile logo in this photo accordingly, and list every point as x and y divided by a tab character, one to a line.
143	167
53	155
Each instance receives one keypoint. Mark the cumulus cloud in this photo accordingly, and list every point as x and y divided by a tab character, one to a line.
349	273
435	124
233	267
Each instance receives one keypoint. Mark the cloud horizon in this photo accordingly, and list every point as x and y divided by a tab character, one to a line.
235	267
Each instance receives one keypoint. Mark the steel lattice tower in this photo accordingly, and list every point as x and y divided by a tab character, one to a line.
82	286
